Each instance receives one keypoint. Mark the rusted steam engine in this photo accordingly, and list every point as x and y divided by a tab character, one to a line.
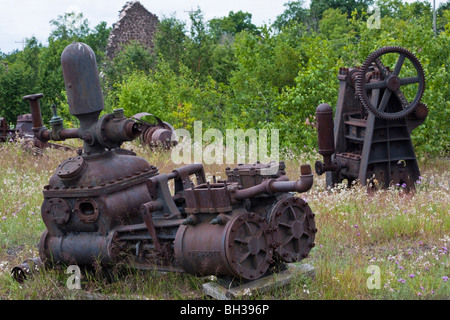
106	205
370	138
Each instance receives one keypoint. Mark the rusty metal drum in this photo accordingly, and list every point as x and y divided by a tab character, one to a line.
241	248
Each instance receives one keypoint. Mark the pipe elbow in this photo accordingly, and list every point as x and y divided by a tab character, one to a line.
304	183
306	179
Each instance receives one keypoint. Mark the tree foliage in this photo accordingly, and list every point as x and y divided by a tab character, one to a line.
37	68
230	74
233	24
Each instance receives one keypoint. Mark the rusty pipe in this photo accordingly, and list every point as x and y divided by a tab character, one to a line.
118	130
271	186
21	272
35	108
69	134
39	130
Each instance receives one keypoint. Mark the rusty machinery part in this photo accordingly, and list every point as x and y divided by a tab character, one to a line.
293	227
421	111
325	137
248	246
391	82
160	133
24	125
249	175
30	266
6	133
242	247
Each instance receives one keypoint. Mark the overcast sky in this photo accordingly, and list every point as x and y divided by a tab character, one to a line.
21	19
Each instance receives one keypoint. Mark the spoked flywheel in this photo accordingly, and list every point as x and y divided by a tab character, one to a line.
294	229
248	246
392	82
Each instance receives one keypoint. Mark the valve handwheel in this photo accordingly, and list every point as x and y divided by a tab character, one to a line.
391	82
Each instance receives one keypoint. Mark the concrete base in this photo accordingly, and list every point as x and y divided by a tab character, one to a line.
223	290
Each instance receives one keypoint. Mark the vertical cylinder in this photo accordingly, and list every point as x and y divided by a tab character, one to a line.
35	109
81	78
325	129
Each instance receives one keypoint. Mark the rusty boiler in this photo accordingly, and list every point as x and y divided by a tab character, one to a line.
369	139
106	206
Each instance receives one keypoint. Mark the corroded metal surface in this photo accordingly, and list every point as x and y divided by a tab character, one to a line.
6	133
155	134
369	140
105	205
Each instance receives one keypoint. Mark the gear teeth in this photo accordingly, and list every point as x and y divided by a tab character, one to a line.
421	111
362	95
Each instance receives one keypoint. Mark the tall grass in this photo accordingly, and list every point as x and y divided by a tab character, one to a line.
406	235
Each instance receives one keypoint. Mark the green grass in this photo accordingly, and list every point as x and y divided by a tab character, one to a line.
407	235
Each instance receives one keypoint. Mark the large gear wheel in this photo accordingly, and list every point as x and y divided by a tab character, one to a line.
390	82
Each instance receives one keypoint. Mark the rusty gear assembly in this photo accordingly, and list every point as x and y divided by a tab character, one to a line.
376	112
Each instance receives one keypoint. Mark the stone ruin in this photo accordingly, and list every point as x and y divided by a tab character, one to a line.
135	23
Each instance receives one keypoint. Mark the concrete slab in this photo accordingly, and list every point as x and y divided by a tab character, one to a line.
228	290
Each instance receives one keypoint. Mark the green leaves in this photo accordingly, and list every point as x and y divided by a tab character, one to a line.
228	73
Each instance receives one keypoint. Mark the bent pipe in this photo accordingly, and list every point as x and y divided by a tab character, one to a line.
21	272
271	186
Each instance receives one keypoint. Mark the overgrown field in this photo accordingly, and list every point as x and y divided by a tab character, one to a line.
405	235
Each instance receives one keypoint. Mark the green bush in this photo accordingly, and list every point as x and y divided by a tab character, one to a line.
272	77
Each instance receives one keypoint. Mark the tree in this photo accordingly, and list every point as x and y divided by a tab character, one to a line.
133	57
51	80
97	39
390	8
73	27
199	46
170	40
334	24
37	68
443	16
294	13
69	26
19	77
232	24
318	7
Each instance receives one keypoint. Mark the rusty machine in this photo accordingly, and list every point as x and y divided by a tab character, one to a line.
24	130
6	133
377	109
105	205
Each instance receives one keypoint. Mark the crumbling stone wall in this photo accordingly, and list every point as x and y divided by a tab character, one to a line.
135	23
